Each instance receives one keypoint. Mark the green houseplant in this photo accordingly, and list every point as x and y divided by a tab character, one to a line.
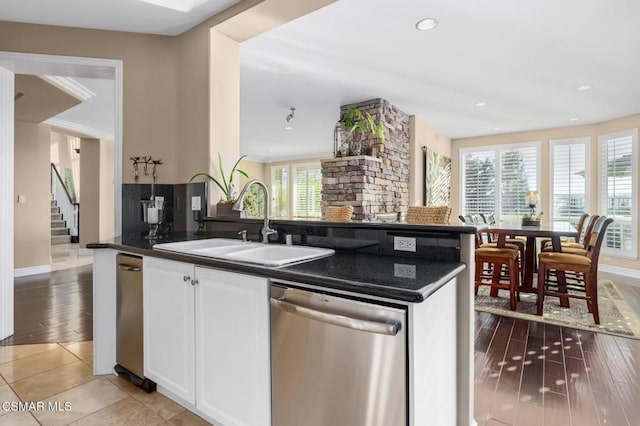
364	123
225	183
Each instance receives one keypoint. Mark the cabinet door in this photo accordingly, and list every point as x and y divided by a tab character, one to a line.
232	347
169	330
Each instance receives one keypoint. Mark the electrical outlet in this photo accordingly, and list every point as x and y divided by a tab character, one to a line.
196	204
404	244
401	270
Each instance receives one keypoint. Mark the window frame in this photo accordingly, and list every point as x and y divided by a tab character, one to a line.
586	140
294	189
602	205
462	152
272	169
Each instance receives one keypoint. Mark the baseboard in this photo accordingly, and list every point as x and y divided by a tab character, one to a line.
626	272
31	270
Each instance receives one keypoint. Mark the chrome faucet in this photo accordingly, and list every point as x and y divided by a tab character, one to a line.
239	205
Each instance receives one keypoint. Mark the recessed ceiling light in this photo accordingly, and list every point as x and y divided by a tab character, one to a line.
497	128
427	24
481	104
574	119
288	127
584	87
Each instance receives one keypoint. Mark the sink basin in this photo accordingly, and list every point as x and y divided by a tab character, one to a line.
274	255
207	247
250	252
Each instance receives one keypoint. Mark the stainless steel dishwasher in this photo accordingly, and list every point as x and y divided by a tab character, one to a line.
336	361
129	326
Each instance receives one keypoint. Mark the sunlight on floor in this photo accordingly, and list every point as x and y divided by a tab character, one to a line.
64	256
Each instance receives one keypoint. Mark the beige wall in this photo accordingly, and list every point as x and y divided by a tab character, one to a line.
422	135
32	220
544	136
107	188
89	229
150	65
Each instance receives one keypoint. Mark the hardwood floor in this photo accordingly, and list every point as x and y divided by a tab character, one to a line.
53	307
529	373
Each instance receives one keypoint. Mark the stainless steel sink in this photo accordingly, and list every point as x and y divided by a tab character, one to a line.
277	255
239	251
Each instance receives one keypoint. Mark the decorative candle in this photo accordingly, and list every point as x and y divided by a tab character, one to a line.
152	215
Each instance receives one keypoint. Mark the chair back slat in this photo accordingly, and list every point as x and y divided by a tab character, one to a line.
581	227
588	229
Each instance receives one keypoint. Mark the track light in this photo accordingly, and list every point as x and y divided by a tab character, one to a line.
290	118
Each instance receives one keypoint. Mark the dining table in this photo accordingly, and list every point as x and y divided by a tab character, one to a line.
551	230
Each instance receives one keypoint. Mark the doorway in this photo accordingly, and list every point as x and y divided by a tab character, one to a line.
12	63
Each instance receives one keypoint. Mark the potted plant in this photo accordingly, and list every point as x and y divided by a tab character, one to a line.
225	204
355	120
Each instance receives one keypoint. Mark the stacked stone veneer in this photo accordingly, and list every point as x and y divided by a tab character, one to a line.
372	184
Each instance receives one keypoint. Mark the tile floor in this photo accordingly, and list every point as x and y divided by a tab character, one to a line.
57	378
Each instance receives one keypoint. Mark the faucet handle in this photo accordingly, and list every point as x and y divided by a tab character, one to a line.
243	233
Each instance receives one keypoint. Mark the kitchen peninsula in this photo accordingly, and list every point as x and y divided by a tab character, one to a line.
213	344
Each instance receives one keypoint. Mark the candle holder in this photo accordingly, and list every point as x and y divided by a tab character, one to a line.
153	214
532	198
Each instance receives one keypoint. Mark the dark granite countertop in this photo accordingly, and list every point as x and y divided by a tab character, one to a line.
409	279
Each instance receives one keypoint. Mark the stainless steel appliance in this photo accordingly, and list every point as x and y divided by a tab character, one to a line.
336	361
129	327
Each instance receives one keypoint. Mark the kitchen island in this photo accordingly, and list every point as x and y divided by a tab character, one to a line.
432	285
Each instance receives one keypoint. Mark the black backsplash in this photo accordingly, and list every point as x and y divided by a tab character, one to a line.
177	217
438	244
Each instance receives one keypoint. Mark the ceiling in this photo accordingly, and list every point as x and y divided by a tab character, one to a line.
37	99
524	59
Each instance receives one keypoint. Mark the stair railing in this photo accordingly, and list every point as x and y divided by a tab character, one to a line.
68	207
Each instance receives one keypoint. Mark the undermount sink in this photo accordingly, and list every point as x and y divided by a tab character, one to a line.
240	251
273	255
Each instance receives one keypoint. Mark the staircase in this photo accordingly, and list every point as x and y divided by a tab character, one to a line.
59	230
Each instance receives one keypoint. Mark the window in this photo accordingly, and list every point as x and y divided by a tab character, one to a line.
307	191
279	191
569	182
495	179
618	176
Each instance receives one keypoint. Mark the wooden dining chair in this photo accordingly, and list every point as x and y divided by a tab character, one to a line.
585	224
498	268
586	265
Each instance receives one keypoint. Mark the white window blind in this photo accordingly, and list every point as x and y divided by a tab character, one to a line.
279	191
518	175
569	181
479	182
495	179
307	191
617	170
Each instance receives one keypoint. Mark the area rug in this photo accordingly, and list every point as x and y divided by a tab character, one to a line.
616	317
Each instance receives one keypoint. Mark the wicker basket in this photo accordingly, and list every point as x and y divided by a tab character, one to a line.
339	213
438	215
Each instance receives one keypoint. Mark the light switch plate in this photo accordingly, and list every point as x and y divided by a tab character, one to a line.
22	199
404	244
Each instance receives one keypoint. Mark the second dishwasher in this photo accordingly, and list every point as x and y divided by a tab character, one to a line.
129	326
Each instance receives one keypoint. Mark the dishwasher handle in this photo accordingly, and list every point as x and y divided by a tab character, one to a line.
125	267
387	328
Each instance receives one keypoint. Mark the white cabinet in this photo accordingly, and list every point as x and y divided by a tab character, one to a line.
232	348
207	340
169	330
